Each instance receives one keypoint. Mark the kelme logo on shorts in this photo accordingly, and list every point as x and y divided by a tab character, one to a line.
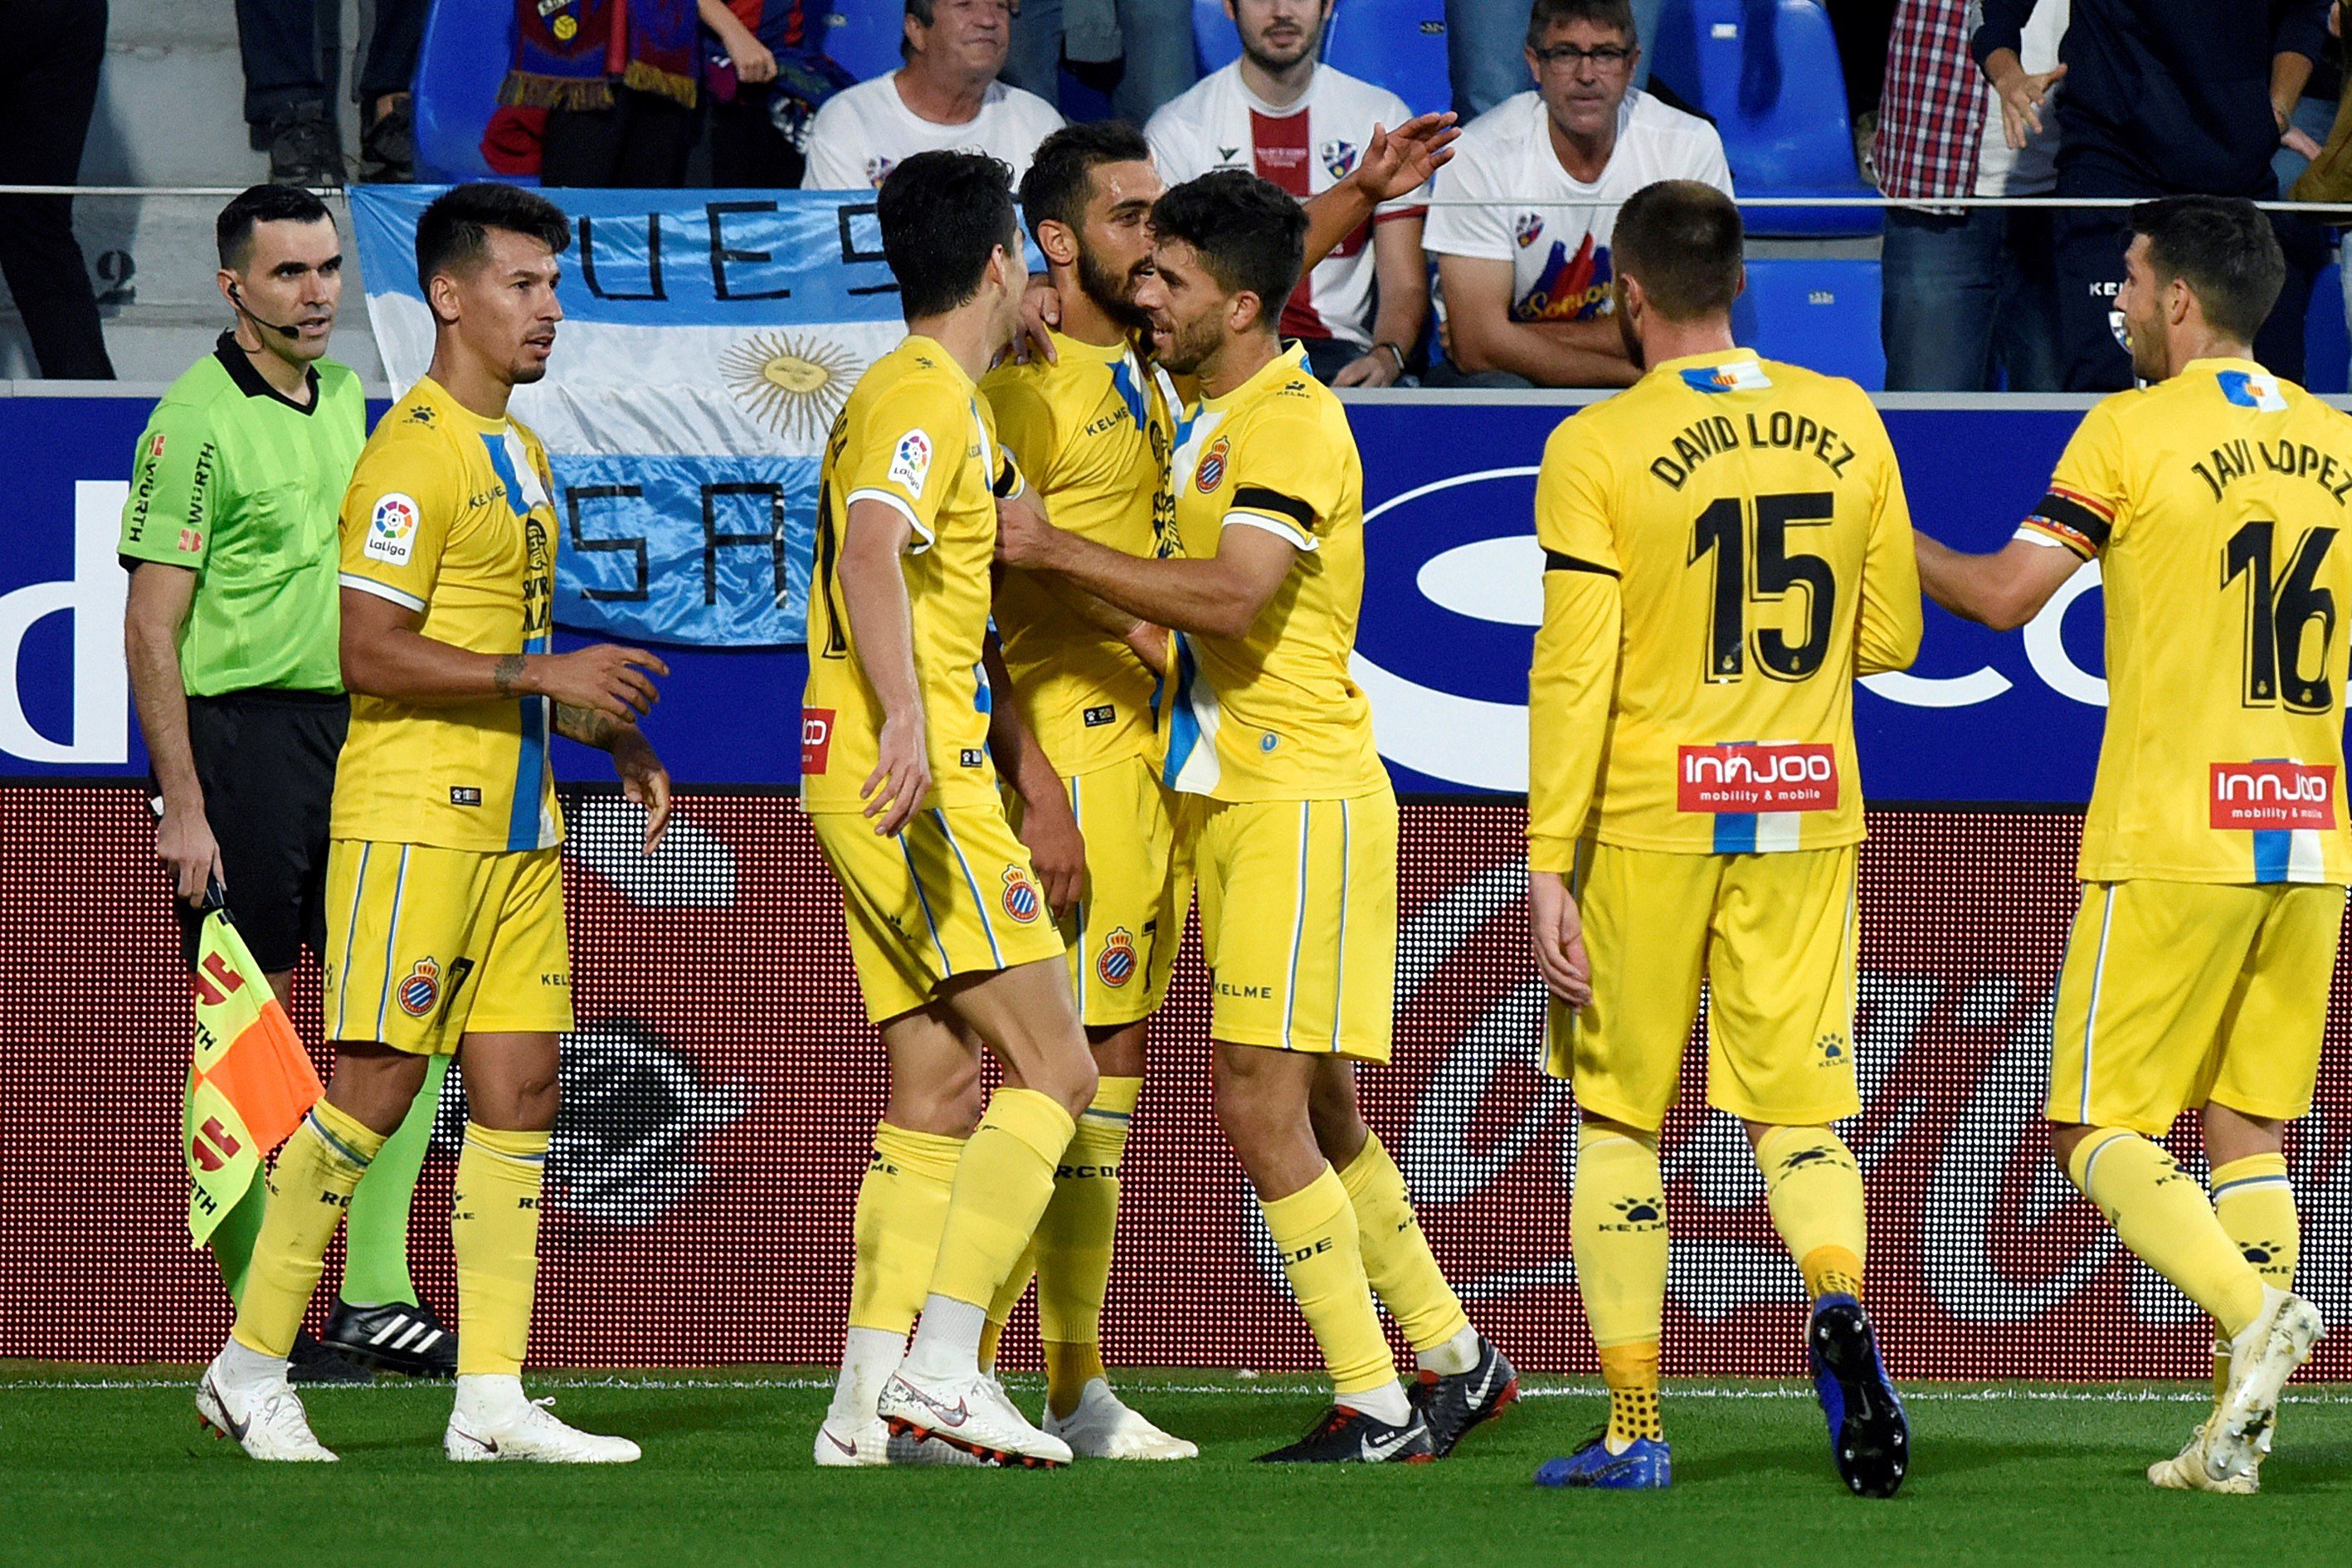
1115	966
1021	899
421	988
816	738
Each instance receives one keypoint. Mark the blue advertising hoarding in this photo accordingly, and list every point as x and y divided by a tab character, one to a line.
1451	591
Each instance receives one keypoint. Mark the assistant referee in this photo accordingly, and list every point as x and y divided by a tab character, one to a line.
232	628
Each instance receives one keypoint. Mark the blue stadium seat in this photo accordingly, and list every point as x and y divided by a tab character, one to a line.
466	47
1766	72
862	36
2327	345
1398	44
1215	43
1822	315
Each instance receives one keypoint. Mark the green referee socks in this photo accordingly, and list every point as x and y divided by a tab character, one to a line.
375	1234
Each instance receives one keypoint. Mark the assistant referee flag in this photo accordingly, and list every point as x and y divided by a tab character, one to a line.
249	1081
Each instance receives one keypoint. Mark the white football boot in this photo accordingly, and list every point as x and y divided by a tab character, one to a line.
2185	1471
265	1417
973	1413
844	1445
494	1420
2263	1356
1104	1427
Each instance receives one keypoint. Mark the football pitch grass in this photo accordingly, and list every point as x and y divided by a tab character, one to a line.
101	1464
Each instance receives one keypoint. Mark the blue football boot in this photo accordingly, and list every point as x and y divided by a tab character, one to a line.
1869	1439
1647	1464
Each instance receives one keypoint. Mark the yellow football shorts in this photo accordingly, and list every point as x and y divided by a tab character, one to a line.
1298	920
2175	994
1772	936
425	945
1124	937
952	893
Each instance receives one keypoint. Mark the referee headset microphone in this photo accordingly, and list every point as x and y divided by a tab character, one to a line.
236	297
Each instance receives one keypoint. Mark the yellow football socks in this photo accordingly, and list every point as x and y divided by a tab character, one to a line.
2255	1205
1397	1259
1631	1374
1314	1230
2160	1214
1074	1244
308	1190
494	1231
902	1204
1617	1223
1002	1185
1813	1188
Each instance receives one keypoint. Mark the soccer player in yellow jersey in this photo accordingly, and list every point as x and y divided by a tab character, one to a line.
2214	856
1091	430
1290	823
947	920
444	895
1725	547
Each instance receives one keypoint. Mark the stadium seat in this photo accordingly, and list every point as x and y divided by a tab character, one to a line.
1822	314
1766	72
2326	346
862	36
1215	45
463	59
1398	44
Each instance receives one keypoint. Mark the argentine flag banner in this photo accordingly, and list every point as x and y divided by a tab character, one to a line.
709	339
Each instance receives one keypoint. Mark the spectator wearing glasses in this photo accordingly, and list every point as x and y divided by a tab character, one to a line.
2162	98
1279	113
1970	296
1521	218
1482	51
945	99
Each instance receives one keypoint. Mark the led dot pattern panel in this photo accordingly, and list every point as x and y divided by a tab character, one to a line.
722	1088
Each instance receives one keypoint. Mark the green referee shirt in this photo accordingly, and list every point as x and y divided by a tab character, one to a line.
243	485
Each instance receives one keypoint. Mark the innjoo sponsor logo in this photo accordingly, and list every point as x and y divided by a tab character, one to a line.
1765	776
816	738
2272	795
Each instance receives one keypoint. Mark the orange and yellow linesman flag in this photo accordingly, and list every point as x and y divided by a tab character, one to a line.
249	1083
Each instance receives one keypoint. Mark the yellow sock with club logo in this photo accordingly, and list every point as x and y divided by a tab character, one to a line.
1813	1188
1397	1259
494	1231
2255	1205
1617	1223
902	1204
1074	1243
2160	1214
310	1188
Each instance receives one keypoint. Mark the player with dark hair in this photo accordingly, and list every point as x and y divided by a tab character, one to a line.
2214	856
947	920
445	892
1290	825
1726	546
230	634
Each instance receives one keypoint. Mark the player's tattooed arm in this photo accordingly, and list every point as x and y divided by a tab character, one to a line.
587	726
384	654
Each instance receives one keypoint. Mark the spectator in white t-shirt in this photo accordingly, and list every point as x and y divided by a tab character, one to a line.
1302	125
1523	265
946	98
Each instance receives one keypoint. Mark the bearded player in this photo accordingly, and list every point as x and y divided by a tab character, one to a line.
445	884
1290	825
2214	856
1727	547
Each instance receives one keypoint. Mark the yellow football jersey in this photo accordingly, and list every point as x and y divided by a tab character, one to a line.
2212	502
1274	714
1093	432
1725	547
914	436
448	513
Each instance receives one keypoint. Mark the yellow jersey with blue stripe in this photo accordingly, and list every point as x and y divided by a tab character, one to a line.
1093	431
449	515
2214	503
1274	714
916	436
1726	545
